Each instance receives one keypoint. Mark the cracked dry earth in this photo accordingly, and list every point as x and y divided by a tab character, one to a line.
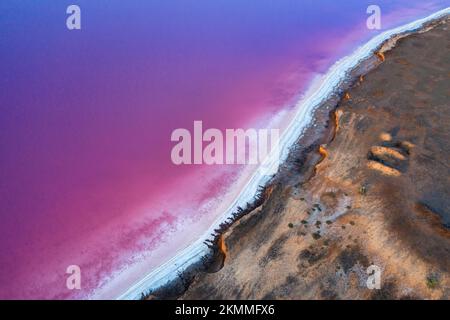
380	196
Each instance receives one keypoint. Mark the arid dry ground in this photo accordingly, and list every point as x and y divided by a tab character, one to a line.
380	196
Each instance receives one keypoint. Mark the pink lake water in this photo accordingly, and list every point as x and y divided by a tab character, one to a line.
86	117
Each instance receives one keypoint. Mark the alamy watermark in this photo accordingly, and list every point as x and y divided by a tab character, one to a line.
373	22
233	146
374	277
73	21
73	281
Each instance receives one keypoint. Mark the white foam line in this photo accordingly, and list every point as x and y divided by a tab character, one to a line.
328	84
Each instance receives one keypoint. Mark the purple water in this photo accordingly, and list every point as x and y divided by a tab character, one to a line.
86	176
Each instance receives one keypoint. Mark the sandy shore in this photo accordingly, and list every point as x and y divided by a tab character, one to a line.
369	187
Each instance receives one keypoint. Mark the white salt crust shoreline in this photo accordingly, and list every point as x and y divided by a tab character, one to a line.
327	85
